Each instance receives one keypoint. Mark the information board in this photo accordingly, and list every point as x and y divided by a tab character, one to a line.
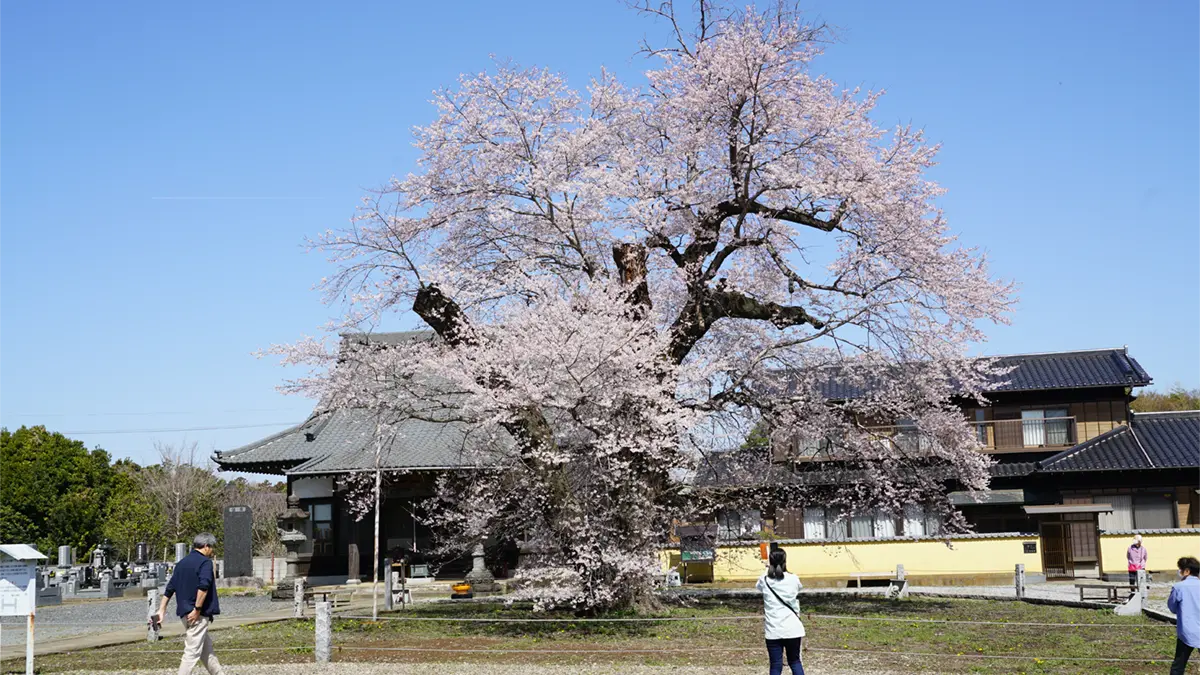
15	576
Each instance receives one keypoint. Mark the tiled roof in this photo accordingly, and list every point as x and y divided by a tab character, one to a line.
1151	441
1037	372
1072	370
342	440
1012	469
281	450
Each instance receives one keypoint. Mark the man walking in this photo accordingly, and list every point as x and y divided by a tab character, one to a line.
1184	602
196	604
1137	556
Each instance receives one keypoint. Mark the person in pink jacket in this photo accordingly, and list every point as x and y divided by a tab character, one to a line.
1136	555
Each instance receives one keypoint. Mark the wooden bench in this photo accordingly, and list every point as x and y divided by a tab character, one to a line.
338	599
1115	593
882	576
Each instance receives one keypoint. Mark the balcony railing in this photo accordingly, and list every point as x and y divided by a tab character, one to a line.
997	436
1027	434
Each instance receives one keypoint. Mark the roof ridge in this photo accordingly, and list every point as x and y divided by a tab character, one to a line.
1166	412
1055	353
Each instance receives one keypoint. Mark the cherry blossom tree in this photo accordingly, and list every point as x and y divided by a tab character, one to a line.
623	280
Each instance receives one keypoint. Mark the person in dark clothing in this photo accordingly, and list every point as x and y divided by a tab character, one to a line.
192	585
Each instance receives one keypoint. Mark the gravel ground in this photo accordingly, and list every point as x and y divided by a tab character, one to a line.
110	615
1158	592
846	668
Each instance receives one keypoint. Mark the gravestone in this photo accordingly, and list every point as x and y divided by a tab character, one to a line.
181	551
239	542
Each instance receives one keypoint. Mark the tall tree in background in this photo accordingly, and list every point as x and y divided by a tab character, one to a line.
626	278
131	514
186	494
53	490
1177	398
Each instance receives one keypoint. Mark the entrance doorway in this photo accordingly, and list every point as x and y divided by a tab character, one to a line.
1071	546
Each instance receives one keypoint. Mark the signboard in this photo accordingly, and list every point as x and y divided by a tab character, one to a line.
15	576
699	555
1030	547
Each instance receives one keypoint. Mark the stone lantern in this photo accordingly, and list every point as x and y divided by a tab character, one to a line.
291	534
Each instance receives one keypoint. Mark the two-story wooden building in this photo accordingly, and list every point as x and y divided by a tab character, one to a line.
1074	468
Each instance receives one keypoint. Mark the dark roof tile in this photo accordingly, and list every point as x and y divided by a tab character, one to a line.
1151	441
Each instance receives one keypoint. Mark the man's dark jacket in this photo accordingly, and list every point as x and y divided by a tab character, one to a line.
193	573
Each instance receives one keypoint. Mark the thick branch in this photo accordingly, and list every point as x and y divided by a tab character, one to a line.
444	316
800	217
707	305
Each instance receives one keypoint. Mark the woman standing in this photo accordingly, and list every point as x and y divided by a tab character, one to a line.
781	609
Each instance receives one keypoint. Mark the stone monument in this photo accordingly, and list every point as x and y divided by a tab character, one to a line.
479	577
354	564
239	542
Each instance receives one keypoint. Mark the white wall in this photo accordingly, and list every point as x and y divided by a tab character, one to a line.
313	488
261	568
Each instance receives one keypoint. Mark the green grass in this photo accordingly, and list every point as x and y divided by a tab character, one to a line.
677	642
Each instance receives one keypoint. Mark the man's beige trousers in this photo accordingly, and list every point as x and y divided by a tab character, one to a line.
197	646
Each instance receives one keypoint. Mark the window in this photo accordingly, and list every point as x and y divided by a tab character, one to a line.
914	521
321	517
1153	511
1121	517
981	430
788	524
832	523
1045	427
729	524
814	523
836	524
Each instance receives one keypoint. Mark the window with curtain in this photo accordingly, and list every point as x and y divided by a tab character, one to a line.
836	524
862	526
885	525
814	522
1045	427
914	521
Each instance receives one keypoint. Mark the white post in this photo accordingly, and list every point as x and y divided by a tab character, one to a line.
31	595
375	557
324	632
151	610
1143	586
1020	581
388	585
298	600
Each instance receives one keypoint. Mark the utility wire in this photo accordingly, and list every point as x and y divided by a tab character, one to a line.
163	431
150	414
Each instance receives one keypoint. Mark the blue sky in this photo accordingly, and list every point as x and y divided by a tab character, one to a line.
162	164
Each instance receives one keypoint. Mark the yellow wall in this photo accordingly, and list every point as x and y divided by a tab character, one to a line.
1163	550
921	557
